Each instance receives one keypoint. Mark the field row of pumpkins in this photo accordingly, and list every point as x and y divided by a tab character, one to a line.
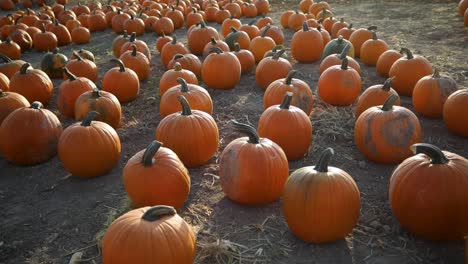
320	203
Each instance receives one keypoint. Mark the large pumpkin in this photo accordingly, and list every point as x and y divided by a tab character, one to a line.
375	95
321	203
455	116
272	68
69	90
105	103
122	82
149	235
9	102
33	84
288	126
192	134
90	148
156	176
221	70
428	193
307	45
252	170
29	135
200	36
384	133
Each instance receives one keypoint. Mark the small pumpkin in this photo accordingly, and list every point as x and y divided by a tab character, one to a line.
8	66
371	50
29	135
164	25
245	57
439	209
358	37
84	54
284	18
122	82
161	41
80	35
336	46
384	133
44	41
140	45
105	103
192	134
215	44
229	23
221	70
288	126
337	59
10	49
134	24
309	190
9	102
156	175
159	228
22	38
251	29
261	44
61	32
170	49
375	95
118	42
271	69
275	33
69	90
431	92
386	60
261	168
200	36
33	84
337	26
240	37
339	85
346	31
53	62
455	117
307	45
296	20
82	68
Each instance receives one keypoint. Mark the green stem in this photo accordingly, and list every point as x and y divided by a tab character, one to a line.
150	151
134	50
251	23
436	155
388	105
78	57
120	63
216	49
263	34
70	75
289	77
36	105
186	111
213	41
184	87
89	118
345	51
286	101
133	37
324	159
247	129
233	29
278	54
157	212
387	84
408	53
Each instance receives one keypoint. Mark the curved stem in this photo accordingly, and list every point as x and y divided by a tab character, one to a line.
350	26
24	68
345	51
388	105
247	129
174	40
216	49
436	155
70	75
78	57
89	118
278	54
263	34
340	39
436	73
372	28
408	53
344	64
150	151
233	29
213	41
157	212
5	58
134	50
186	111
289	77
324	159
120	63
374	35
177	66
251	23
184	86
286	101
96	93
36	105
133	37
388	84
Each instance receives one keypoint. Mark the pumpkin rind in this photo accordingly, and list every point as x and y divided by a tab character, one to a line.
374	96
69	90
33	84
122	82
272	68
386	60
221	70
455	116
9	102
105	103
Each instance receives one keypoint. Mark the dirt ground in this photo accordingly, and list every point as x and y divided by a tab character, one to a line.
46	215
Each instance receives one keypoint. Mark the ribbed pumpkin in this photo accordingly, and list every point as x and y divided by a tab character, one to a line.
428	193
80	35
346	31
321	203
169	78
360	36
192	134
384	133
200	36
296	20
228	23
245	57
307	45
261	44
221	70
455	117
69	90
375	95
371	50
302	94
9	102
251	29
252	170
90	148
61	32
325	35
275	33
336	46
137	62
156	176
386	60
105	103
33	84
431	92
288	126
197	96
10	49
8	66
122	82
339	85
29	135
149	235
82	67
272	68
337	59
53	62
407	72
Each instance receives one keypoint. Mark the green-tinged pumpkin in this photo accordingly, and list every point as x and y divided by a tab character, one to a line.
53	62
336	46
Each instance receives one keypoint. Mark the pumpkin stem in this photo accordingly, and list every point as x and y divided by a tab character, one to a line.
374	35
344	64
350	26
202	24
184	86
150	151
436	155
134	50
247	129
125	34
24	68
305	26
408	53
177	66
289	77
186	111
345	51
340	39
286	101
324	159
36	105
174	40
70	75
436	73
372	28
5	58
233	29
236	47
267	27
78	57
157	212
388	84
251	23
96	93
178	56
120	63
2	93
216	49
388	105
133	37
278	54
89	118
213	41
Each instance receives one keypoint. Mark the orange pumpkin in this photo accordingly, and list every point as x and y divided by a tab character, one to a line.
33	84
284	18
95	143
188	62
240	37
9	102
339	85
309	190
44	41
82	68
199	37
80	35
261	44
251	29
192	134
169	78
170	49
118	42
272	68
337	59
10	49
8	66
156	175
307	45
137	62
221	70
161	41
384	134
29	135
122	82
346	31
4	82
228	23
69	90
455	117
160	229
260	168
288	126
245	57
407	72
371	50
140	45
375	95
215	44
428	193
386	60
296	20
105	103
358	37
337	26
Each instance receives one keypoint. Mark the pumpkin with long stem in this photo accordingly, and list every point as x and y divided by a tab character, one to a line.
272	68
455	117
371	50
53	62
105	103
136	61
288	126
321	203
149	235
82	67
221	70
197	96
337	59
428	193
252	170
307	44
122	82
69	91
375	95
89	148
192	134
384	133
9	102
386	60
29	135
169	78
155	176
33	84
